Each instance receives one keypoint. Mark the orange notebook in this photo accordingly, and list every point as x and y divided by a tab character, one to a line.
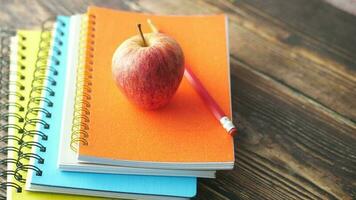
182	135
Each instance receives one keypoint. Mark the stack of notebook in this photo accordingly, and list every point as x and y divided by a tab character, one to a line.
71	134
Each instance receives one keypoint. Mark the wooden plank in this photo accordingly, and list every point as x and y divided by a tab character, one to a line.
266	46
289	143
207	193
348	6
289	150
330	28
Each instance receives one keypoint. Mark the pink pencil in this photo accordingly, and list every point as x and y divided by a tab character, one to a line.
206	97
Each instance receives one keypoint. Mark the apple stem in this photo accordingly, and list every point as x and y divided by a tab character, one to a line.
143	38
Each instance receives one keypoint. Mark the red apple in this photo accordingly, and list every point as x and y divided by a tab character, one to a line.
148	69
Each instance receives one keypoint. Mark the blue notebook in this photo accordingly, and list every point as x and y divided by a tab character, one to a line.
51	179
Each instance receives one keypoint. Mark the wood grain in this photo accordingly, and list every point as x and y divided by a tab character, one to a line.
308	19
291	58
293	91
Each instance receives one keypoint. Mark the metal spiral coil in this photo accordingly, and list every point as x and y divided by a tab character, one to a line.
5	139
14	173
42	74
5	51
38	103
9	160
7	105
5	116
34	109
32	133
5	185
81	119
6	81
30	144
27	156
8	126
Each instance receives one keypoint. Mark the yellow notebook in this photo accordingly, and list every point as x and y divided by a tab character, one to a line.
27	75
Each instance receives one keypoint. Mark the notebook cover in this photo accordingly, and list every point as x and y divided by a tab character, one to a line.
184	131
89	183
23	60
67	159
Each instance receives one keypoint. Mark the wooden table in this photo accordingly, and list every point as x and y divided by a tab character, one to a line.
293	72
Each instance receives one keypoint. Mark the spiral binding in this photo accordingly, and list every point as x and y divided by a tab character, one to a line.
34	109
4	60
81	113
5	41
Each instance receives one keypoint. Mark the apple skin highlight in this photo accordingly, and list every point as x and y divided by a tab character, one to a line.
148	71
